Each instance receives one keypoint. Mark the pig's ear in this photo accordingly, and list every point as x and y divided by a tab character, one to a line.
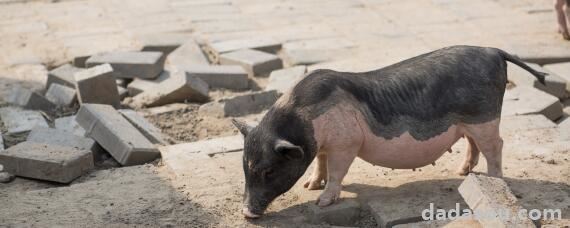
243	127
288	149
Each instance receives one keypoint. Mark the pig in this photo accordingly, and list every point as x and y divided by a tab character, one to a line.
402	116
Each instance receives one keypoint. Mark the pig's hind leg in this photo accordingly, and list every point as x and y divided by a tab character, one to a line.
319	173
471	159
488	140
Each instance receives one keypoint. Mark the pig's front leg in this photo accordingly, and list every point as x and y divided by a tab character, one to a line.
319	173
338	163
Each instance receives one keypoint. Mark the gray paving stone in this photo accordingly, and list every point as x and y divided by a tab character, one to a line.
284	79
58	137
30	100
562	70
18	121
152	133
115	134
176	89
489	197
97	85
221	76
132	64
46	162
261	44
123	93
188	54
62	75
209	147
343	213
138	86
61	95
256	63
240	105
555	85
311	51
69	124
523	100
163	42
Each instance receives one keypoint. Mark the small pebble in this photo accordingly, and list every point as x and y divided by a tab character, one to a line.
6	177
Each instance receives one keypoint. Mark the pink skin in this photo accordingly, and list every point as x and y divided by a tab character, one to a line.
342	134
563	17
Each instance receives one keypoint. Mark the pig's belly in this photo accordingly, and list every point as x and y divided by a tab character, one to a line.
405	152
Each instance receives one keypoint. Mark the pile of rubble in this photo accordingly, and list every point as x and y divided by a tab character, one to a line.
85	118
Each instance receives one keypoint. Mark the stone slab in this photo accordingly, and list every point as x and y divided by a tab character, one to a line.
343	213
163	42
46	162
562	70
52	136
97	85
523	100
123	93
152	133
138	86
132	64
188	54
240	105
209	147
68	124
29	99
221	76
261	44
17	121
284	79
176	89
256	63
555	85
63	75
489	197
61	95
115	134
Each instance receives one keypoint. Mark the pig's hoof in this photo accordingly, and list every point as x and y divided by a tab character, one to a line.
313	184
463	172
324	201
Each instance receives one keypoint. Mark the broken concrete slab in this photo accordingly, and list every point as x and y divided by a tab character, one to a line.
63	75
261	44
115	134
523	100
68	124
525	123
163	42
188	54
152	133
97	85
221	76
282	80
30	100
555	85
240	105
138	86
562	70
490	198
58	137
61	95
343	213
256	63
131	64
175	89
18	121
209	147
46	162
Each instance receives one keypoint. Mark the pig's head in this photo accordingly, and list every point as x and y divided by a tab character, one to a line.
272	164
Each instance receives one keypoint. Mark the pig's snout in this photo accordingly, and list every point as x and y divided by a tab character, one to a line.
248	214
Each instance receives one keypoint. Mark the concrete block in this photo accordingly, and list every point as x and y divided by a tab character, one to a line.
256	63
97	85
138	86
115	134
176	89
490	197
240	105
260	44
525	123
62	75
46	162
123	93
284	79
68	124
61	95
343	213
163	42
562	70
555	85
79	61
189	54
30	100
523	100
18	121
221	76
133	64
210	147
564	127
63	138
152	133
